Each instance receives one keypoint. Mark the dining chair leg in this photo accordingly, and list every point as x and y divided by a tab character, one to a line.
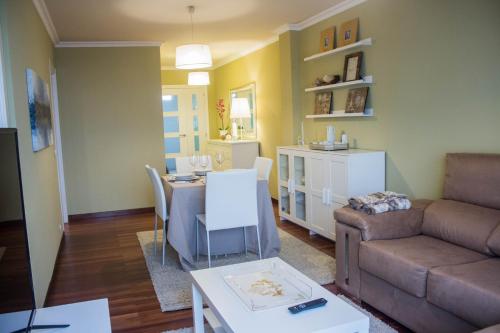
156	234
245	240
258	242
197	241
208	245
164	242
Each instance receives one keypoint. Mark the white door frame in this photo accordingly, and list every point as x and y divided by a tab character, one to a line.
4	121
58	145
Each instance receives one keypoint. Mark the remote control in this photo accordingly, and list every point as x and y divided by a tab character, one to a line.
307	305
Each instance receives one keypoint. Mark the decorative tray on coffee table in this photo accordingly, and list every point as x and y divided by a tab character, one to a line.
266	286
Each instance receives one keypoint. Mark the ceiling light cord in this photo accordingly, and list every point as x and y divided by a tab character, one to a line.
191	12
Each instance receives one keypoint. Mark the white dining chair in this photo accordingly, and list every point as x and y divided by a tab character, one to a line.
160	209
230	202
263	166
182	164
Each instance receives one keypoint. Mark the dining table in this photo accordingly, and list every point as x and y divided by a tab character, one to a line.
187	199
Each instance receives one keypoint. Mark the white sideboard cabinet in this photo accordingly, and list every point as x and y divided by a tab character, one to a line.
238	154
313	183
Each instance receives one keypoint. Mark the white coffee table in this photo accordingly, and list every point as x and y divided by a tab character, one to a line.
228	313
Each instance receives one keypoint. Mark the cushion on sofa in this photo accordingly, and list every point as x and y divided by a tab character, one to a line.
494	241
405	262
470	291
490	329
461	223
473	178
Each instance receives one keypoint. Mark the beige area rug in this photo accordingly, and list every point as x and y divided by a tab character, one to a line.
376	325
173	285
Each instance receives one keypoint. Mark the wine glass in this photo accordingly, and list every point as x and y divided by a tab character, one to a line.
203	161
219	158
193	160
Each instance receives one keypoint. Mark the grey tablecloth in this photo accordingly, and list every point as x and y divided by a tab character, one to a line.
185	200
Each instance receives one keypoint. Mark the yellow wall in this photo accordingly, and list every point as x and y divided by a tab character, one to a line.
111	125
437	79
263	68
180	77
26	44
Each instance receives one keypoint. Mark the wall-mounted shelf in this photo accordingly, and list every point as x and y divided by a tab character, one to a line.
364	42
341	114
363	81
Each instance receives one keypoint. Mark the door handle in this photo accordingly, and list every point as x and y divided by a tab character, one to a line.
182	135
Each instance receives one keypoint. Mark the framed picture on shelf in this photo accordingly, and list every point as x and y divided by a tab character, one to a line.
352	66
356	100
323	103
348	32
327	40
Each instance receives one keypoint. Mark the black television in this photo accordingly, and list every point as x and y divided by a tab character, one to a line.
16	288
17	300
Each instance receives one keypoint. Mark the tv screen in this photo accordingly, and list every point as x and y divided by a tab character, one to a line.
16	291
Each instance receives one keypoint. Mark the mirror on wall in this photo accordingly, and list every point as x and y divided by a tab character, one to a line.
249	130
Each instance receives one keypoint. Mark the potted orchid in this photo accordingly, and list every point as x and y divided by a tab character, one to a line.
221	109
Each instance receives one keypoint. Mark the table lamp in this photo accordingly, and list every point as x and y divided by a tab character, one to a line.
239	109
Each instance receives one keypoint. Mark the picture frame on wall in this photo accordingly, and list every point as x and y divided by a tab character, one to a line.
348	32
352	66
327	40
356	100
323	103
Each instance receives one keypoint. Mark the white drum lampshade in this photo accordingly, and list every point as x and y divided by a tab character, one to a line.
240	108
198	79
192	56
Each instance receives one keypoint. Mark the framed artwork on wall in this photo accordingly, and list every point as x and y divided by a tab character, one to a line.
327	40
323	103
39	111
356	100
352	66
348	32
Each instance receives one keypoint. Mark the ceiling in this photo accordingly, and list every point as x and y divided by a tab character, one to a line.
230	27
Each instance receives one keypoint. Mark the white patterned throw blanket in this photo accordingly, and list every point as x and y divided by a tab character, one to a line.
380	202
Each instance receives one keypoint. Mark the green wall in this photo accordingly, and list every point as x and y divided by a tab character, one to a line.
437	79
26	44
111	126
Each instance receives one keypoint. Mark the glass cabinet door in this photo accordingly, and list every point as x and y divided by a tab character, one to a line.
300	205
284	173
284	200
299	170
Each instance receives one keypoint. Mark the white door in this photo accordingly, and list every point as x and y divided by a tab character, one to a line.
185	122
320	203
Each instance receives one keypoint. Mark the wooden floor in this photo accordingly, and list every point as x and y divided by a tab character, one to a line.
102	258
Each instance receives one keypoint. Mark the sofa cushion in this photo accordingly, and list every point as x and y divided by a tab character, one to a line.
405	262
494	241
461	223
473	178
470	291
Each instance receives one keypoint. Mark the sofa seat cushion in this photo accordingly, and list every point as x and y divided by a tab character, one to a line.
470	291
405	262
494	241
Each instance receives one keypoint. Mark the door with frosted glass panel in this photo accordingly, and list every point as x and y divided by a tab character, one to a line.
184	122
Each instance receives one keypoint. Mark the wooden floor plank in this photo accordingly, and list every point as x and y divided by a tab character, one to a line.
102	258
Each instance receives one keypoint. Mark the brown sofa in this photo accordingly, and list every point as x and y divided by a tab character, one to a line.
436	266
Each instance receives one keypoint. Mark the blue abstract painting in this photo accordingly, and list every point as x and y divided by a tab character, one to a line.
39	110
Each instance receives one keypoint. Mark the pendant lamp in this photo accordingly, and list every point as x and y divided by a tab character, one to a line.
192	56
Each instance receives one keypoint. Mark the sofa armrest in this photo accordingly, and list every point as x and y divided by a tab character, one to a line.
390	225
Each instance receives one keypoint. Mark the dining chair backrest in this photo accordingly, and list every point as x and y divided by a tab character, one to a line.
160	201
263	166
231	199
182	164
